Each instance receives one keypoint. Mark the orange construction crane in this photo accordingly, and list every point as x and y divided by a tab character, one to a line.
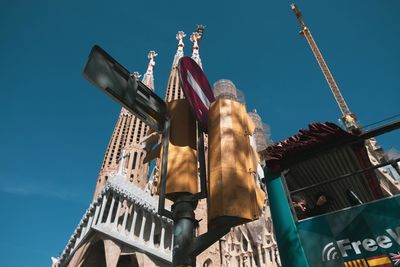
349	119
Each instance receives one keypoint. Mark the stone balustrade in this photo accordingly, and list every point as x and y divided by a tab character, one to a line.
124	212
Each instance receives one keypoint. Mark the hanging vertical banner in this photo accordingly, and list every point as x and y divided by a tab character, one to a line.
196	88
365	235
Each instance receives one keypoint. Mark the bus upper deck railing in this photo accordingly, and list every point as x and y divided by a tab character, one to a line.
336	183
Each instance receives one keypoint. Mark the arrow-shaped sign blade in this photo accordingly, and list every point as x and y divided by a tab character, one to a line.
115	80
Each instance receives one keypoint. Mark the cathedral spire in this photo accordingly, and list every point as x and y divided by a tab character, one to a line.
174	90
148	78
128	131
195	38
179	51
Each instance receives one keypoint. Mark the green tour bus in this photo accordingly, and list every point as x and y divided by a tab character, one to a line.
334	198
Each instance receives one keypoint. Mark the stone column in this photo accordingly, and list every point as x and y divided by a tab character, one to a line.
115	223
103	206
162	235
96	214
153	226
135	213
110	211
142	227
123	227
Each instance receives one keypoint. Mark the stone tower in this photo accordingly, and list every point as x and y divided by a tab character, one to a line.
121	226
174	91
128	132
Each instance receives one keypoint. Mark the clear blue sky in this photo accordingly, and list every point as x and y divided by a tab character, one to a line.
55	126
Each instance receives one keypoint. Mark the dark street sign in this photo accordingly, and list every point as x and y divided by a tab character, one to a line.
112	78
196	88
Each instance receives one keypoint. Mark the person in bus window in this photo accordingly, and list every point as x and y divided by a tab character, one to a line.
300	207
322	204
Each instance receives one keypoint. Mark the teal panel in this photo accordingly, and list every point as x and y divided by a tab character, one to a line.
357	233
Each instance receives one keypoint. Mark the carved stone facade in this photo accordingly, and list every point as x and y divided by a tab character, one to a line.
252	244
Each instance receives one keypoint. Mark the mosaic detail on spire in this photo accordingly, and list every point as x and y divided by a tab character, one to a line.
195	38
179	52
148	78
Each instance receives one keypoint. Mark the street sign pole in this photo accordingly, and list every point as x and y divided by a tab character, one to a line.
202	162
185	224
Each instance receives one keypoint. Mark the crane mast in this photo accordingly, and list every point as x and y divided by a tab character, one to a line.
349	119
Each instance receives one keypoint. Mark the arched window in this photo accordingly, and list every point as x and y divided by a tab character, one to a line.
207	263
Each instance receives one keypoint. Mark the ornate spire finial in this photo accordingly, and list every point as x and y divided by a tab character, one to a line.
136	75
179	36
197	35
200	29
152	54
195	38
179	52
148	78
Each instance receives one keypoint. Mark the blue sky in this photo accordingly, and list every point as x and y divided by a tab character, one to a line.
56	126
